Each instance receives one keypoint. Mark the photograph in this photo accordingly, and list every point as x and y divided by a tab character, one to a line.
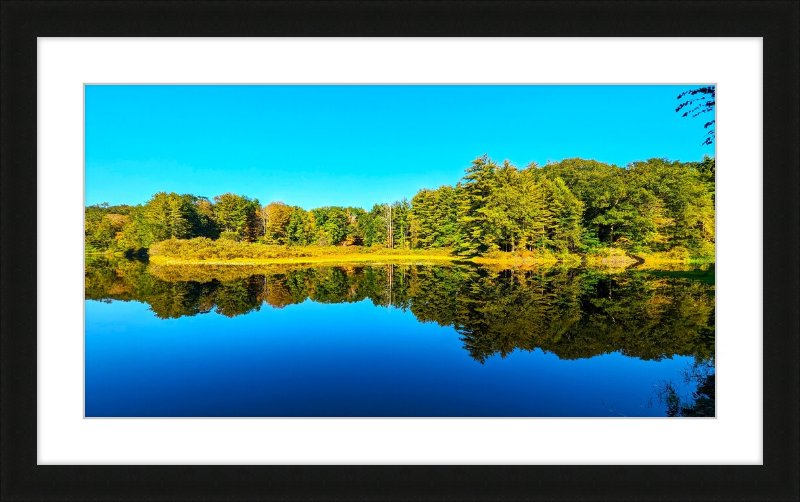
399	251
326	242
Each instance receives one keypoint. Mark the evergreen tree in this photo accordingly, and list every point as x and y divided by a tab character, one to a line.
564	227
471	196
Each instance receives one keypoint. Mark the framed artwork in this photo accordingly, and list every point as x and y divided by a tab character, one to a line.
128	403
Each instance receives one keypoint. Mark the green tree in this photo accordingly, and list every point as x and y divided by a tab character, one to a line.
617	209
204	223
401	226
594	183
275	219
425	227
471	196
236	216
378	229
445	216
331	225
564	227
688	205
168	216
354	234
103	226
335	226
297	230
366	227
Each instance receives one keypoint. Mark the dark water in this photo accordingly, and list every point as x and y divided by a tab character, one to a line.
396	341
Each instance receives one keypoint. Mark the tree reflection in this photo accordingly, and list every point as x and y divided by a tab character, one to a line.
693	395
573	313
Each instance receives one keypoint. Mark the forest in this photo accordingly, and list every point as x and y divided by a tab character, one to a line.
571	206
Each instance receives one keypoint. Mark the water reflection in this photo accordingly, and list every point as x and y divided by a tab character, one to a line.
572	313
692	394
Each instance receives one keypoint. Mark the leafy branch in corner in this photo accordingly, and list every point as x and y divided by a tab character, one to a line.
701	100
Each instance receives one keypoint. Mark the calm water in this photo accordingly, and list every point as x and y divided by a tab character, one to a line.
396	341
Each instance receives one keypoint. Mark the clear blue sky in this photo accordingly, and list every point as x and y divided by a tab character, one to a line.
358	145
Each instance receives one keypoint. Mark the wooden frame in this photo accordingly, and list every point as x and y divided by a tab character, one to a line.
776	22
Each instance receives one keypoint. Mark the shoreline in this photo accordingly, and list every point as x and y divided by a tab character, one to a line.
616	261
344	258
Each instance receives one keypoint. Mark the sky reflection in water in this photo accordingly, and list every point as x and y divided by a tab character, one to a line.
495	344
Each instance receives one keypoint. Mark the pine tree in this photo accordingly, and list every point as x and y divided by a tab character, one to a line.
471	194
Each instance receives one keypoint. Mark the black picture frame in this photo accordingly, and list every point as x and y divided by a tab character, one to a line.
776	22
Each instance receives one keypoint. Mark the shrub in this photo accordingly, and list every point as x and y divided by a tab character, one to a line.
678	253
229	236
202	248
706	250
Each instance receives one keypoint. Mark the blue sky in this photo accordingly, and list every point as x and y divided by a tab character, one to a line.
358	145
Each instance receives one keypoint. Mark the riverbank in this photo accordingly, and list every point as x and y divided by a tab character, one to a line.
217	253
205	252
332	258
511	260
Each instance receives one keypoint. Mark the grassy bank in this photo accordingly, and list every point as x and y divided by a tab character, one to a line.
212	253
100	252
527	259
615	257
677	256
207	252
332	258
609	258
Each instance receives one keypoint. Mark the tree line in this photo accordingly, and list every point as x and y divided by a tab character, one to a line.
575	205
